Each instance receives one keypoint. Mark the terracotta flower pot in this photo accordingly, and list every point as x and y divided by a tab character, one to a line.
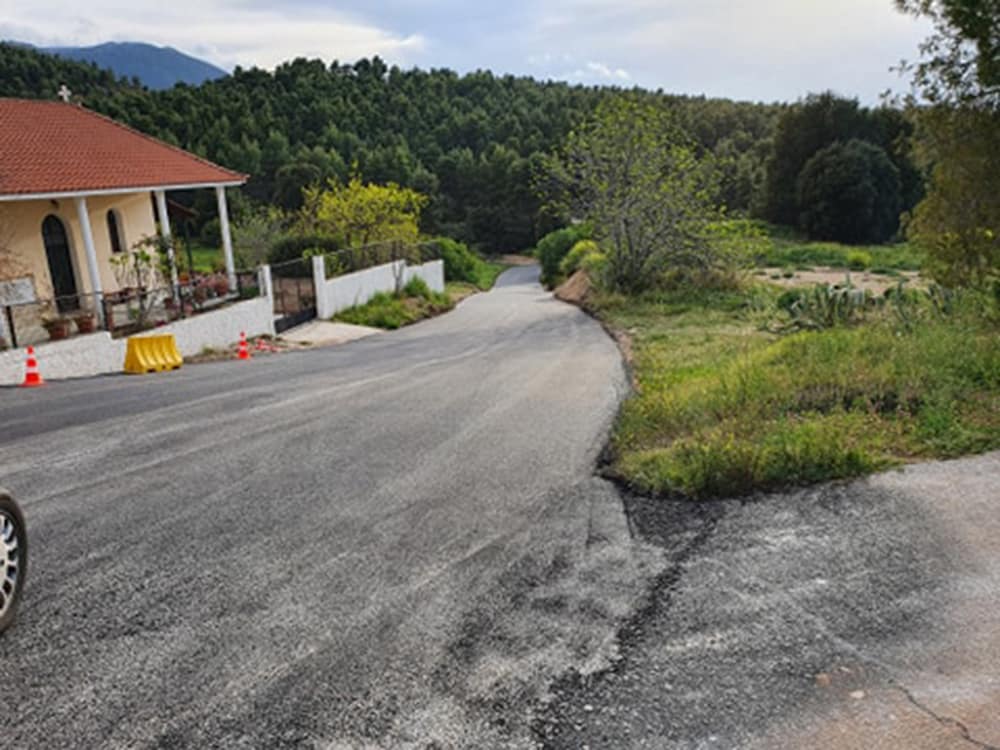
86	323
57	329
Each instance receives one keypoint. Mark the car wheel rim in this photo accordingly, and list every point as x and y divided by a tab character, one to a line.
10	562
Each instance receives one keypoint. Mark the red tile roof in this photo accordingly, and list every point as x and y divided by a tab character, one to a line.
52	147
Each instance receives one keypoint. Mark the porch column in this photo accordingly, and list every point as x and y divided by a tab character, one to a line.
83	216
227	239
168	240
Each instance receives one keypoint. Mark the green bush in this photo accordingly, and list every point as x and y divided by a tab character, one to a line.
555	246
858	260
415	301
463	265
571	263
384	310
460	263
416	288
596	266
850	193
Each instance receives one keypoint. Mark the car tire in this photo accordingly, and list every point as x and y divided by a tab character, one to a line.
13	558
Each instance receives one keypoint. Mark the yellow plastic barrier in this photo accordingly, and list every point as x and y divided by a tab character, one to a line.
152	354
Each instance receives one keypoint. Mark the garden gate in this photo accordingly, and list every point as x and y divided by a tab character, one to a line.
294	293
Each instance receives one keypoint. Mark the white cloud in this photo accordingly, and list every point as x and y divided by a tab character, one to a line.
767	49
603	71
226	33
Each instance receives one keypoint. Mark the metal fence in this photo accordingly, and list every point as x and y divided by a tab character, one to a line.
349	260
124	312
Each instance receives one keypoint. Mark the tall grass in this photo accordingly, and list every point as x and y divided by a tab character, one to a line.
724	408
414	302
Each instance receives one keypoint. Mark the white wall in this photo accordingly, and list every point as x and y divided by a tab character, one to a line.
99	354
357	288
431	272
220	328
79	357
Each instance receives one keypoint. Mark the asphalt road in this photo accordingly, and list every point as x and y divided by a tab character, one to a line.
397	542
852	616
400	543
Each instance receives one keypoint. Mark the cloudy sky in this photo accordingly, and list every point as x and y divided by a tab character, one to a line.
745	49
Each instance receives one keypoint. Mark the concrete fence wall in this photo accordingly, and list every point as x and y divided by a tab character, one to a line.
99	354
220	328
431	272
354	289
79	357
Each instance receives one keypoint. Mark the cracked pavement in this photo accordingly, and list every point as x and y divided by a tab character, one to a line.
852	616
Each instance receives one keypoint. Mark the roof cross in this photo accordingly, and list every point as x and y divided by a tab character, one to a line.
64	93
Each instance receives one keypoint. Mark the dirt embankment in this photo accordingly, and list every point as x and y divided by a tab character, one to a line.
575	289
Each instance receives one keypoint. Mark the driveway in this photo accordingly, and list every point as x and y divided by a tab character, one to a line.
396	542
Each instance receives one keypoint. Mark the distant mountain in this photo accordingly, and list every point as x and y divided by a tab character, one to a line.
156	67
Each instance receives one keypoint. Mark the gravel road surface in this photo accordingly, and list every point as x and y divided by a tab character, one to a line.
397	542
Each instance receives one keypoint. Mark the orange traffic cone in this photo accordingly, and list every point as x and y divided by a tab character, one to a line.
32	377
244	349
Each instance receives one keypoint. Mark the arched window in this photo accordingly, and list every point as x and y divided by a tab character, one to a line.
115	232
60	260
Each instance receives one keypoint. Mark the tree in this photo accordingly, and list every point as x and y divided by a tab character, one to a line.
818	122
850	192
961	62
361	213
470	143
634	174
256	233
802	130
959	221
291	180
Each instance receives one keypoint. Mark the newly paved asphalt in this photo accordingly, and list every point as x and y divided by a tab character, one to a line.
396	542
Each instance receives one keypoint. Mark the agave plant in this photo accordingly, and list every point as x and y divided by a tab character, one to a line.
825	306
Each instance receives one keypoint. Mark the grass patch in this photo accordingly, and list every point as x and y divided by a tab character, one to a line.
459	290
785	252
206	259
485	277
724	408
487	273
783	247
414	302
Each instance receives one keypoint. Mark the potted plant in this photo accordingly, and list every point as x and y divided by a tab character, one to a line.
201	292
58	328
221	286
86	321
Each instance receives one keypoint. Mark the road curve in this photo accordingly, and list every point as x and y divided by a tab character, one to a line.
395	542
